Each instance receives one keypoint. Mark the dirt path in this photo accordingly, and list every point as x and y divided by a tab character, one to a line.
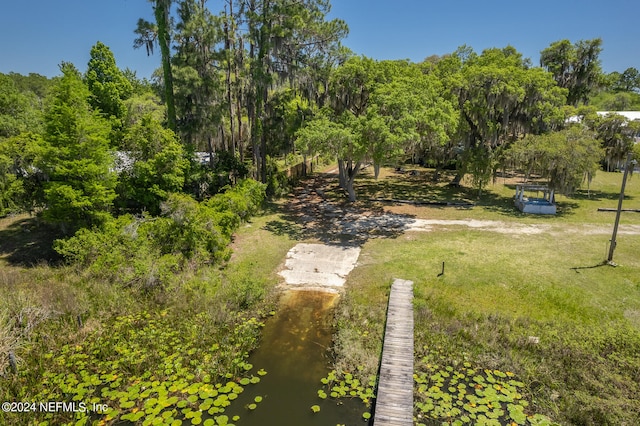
518	228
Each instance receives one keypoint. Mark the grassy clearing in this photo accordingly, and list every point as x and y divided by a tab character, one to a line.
538	307
496	203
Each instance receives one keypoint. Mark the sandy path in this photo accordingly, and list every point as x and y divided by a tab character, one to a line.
519	228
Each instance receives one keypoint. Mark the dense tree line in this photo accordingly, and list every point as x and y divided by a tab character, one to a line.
477	111
265	78
224	76
92	155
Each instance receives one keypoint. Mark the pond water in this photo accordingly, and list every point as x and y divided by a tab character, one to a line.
295	352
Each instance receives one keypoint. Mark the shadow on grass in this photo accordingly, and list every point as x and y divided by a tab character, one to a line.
419	187
318	210
28	242
603	263
416	186
583	194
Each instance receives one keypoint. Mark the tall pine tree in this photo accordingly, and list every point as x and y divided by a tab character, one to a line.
75	157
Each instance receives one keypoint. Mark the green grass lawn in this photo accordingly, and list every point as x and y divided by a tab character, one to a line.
496	203
542	307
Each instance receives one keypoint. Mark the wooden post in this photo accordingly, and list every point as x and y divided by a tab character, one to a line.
13	363
612	247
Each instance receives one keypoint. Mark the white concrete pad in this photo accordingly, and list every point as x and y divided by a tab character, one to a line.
319	265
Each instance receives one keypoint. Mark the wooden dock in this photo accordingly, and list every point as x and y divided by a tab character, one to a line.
394	402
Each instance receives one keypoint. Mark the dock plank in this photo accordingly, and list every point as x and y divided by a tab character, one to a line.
394	402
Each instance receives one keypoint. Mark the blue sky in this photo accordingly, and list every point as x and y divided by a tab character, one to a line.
36	35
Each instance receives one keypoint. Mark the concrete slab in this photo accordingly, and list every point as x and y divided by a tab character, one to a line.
319	265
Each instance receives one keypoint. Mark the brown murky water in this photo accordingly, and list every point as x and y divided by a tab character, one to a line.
295	353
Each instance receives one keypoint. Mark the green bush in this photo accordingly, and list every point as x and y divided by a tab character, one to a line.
159	166
193	230
278	184
205	180
242	289
10	188
147	251
244	199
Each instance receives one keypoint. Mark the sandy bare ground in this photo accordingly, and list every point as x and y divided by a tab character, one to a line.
517	228
319	265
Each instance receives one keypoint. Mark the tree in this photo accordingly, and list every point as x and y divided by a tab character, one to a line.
350	87
75	156
627	81
20	181
138	86
10	187
616	101
108	86
139	106
500	99
616	135
155	166
324	135
19	110
35	83
199	95
564	157
148	34
378	111
574	67
416	115
283	35
286	112
351	84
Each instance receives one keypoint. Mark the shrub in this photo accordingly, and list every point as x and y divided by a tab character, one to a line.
192	229
10	188
158	169
277	181
147	251
244	199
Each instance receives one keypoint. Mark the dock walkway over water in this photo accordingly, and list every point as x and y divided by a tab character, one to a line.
394	402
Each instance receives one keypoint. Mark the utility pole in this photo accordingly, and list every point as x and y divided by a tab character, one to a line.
612	247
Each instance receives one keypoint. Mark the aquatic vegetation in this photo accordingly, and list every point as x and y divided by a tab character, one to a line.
149	370
464	393
346	385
